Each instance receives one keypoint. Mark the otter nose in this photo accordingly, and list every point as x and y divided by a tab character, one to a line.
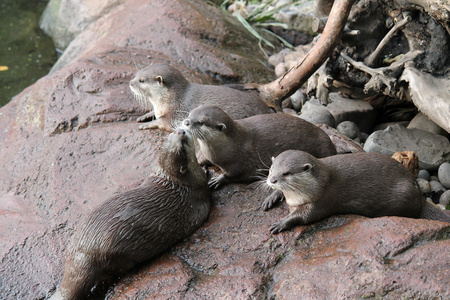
187	122
180	131
273	180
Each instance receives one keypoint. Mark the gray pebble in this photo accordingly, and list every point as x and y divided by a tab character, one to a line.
445	198
444	174
424	185
280	69
436	187
434	178
424	174
349	129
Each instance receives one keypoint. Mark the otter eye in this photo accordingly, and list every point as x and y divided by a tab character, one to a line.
286	173
307	167
199	123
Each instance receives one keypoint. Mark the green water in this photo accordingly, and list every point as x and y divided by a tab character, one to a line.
24	48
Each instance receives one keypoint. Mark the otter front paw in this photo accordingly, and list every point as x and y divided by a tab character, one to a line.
146	126
147	117
279	227
271	200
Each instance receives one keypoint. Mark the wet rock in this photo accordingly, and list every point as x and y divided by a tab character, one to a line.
424	185
317	114
444	174
432	149
424	174
421	121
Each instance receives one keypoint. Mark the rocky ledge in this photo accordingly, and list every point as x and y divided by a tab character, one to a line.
70	141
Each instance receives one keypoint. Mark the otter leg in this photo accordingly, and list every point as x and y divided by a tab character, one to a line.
272	199
158	123
301	215
147	117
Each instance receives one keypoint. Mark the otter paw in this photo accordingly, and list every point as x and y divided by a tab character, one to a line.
278	227
145	126
271	200
147	117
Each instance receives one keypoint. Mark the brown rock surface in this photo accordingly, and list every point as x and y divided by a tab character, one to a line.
69	142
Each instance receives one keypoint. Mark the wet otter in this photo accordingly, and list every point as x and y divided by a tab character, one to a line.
242	149
368	184
172	97
138	224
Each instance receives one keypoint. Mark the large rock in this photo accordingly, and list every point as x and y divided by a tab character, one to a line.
432	149
70	141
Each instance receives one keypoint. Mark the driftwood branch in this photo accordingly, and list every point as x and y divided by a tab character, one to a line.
384	80
430	95
274	92
372	58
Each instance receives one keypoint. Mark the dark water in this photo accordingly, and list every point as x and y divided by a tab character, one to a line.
24	48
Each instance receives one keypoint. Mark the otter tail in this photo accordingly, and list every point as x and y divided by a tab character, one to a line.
431	212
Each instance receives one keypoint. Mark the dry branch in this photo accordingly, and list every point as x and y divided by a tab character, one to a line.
274	92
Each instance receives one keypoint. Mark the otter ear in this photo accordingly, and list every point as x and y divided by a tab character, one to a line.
183	169
221	126
159	79
307	167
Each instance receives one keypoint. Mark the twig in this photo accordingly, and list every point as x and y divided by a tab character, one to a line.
370	60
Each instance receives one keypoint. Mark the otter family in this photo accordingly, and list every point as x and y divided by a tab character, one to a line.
235	131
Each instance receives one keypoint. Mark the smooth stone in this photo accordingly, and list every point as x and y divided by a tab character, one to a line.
424	185
421	121
432	149
280	69
434	178
444	174
299	18
298	99
317	115
424	174
436	187
349	129
445	198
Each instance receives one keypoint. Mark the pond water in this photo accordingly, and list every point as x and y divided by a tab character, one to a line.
26	52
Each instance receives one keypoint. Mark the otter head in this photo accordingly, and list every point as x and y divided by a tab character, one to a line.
178	161
157	83
207	122
294	173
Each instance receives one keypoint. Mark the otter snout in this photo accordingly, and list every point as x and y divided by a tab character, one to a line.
180	131
271	181
187	122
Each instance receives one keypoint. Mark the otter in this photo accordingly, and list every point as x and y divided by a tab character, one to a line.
367	184
243	148
172	97
138	224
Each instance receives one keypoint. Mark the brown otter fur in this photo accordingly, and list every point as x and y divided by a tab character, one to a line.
172	97
138	224
242	149
368	184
